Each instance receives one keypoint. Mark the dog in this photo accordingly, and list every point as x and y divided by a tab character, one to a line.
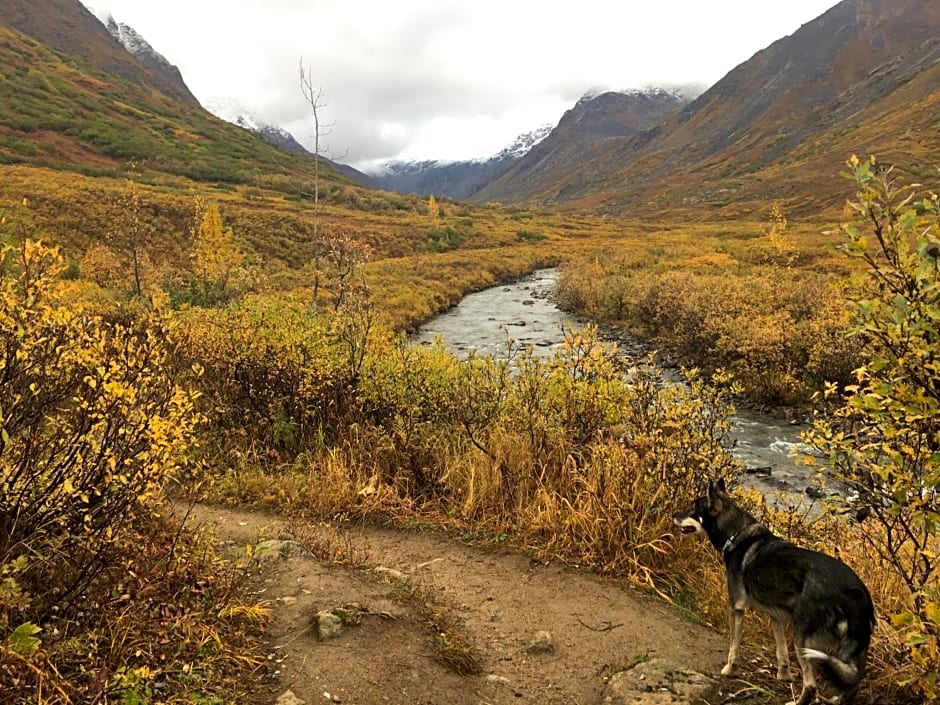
828	606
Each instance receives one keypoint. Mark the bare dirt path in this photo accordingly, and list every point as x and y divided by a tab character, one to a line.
596	626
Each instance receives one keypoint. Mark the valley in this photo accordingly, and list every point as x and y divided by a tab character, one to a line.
199	316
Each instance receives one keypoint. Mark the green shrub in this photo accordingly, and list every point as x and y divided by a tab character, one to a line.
444	238
406	398
529	235
883	441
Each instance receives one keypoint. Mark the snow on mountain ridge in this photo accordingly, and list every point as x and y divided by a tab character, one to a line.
681	93
409	166
523	143
233	111
168	78
517	148
135	44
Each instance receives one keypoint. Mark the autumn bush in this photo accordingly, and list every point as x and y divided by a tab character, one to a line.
275	374
219	269
778	329
882	439
406	406
588	460
571	454
92	427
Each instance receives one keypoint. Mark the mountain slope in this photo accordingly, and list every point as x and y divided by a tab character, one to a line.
59	112
776	125
583	136
150	58
232	111
86	97
580	135
66	26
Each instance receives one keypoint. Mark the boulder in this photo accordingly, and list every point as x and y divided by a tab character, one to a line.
288	698
328	625
542	643
275	548
656	682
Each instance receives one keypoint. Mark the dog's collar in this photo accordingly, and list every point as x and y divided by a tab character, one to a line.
729	544
734	539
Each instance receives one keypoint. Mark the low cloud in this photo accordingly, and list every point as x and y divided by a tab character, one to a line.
429	78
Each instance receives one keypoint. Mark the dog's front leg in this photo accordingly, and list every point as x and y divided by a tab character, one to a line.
783	655
736	618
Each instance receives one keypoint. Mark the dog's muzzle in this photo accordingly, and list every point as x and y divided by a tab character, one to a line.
687	524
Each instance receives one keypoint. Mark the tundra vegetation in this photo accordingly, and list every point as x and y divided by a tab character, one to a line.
207	371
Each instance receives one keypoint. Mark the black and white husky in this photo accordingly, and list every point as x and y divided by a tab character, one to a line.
828	605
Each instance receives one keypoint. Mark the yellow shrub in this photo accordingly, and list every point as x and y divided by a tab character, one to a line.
91	427
275	375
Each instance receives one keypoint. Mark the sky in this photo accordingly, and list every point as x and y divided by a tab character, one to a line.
445	79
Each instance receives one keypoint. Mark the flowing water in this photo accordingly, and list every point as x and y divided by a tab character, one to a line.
525	312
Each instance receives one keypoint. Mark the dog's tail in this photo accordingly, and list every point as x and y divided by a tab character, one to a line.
842	673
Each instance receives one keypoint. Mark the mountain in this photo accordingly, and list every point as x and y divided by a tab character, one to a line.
863	77
74	130
583	136
232	111
582	132
140	49
523	143
81	97
66	26
460	179
85	97
227	110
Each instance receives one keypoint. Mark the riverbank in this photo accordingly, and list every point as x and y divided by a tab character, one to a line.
767	442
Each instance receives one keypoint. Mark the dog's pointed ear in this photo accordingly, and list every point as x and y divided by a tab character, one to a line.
716	490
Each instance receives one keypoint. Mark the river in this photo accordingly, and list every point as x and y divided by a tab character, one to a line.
525	312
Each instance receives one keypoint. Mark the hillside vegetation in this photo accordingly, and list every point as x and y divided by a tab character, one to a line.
60	113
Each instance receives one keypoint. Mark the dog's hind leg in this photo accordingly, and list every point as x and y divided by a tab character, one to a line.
809	681
783	655
736	617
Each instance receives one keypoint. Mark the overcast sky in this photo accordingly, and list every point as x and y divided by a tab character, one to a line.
446	79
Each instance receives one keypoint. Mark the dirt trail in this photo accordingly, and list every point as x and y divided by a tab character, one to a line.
597	626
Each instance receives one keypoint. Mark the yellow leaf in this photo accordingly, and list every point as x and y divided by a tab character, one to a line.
932	610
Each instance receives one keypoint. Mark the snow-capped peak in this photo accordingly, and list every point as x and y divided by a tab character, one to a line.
682	93
135	44
235	112
518	148
523	143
